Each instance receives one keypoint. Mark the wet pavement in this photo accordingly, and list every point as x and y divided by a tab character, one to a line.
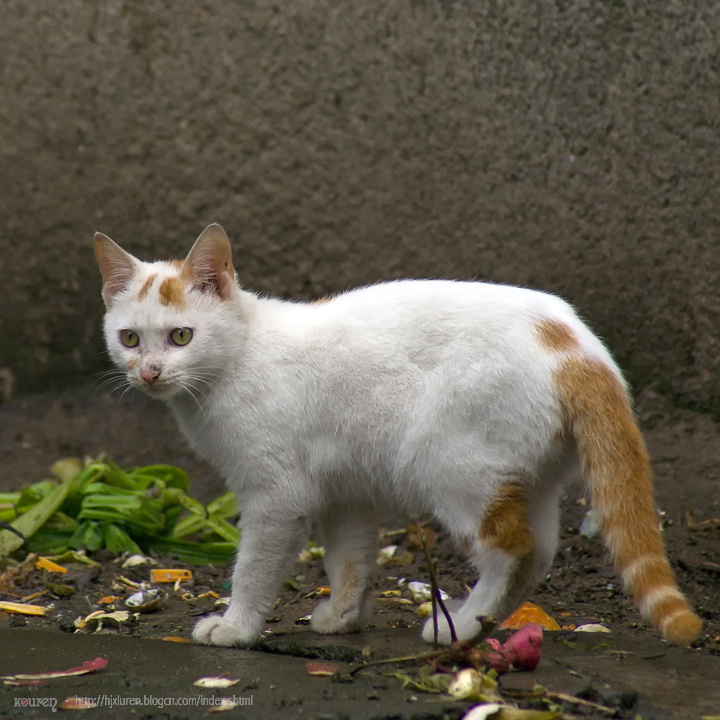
154	678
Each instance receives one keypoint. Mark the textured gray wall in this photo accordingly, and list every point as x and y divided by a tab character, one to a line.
570	146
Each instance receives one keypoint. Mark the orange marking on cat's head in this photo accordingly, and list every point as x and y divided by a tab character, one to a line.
145	289
556	336
132	363
172	292
505	523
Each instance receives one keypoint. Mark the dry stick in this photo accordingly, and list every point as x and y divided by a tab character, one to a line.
563	697
435	590
487	625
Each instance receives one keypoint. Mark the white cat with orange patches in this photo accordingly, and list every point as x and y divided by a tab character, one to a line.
468	402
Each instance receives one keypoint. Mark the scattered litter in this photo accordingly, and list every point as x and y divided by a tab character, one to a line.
319	669
320	591
75	556
393	555
216	682
145	600
88	666
169	575
224	705
312	552
386	554
44	563
77	703
108	599
395	600
391	593
135	560
415	534
590	526
99	616
121	581
495	711
521	650
529	613
592	627
469	684
425	609
421	592
22	608
304	620
175	638
60	589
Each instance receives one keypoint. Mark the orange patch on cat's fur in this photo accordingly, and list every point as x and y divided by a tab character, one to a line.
172	292
145	289
322	300
505	524
596	406
556	336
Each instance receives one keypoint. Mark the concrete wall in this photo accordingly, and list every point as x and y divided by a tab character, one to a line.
569	146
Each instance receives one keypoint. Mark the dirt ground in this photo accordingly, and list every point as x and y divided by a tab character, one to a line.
581	588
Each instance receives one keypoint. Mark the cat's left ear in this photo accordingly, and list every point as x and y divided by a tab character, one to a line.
210	261
117	267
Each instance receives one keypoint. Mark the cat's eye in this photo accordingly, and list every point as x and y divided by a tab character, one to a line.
129	338
181	336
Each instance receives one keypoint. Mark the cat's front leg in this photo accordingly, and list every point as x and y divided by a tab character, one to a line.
267	548
350	539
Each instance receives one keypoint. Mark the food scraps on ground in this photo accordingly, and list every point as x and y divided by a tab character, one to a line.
529	613
44	563
145	600
592	627
98	617
216	682
96	505
89	666
22	608
421	592
319	669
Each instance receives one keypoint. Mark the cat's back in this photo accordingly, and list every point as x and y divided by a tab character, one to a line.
446	310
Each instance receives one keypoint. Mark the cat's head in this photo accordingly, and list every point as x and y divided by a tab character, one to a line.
166	322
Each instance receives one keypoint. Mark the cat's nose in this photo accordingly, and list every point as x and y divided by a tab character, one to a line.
150	373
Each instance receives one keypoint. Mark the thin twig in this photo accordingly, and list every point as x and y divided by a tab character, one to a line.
435	590
562	697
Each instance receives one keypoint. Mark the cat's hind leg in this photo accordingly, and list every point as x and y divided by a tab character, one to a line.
504	553
350	540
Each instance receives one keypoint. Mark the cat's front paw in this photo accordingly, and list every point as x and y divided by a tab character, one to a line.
216	630
443	637
465	626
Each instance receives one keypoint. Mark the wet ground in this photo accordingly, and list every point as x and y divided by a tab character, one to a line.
629	670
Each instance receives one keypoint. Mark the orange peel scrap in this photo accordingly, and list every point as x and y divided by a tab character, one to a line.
529	613
43	563
22	608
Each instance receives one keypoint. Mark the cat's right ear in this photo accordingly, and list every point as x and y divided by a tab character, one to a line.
117	267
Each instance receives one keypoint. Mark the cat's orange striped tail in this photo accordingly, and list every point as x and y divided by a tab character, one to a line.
616	468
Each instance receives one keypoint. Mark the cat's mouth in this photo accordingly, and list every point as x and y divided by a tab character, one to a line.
157	388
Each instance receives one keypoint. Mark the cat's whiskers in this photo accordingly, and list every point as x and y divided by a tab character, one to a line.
113	380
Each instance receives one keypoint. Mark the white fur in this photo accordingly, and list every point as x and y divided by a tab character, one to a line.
425	396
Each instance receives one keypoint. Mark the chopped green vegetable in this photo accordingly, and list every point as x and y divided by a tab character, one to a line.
138	510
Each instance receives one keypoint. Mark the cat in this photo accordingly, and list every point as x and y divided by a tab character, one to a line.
469	402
